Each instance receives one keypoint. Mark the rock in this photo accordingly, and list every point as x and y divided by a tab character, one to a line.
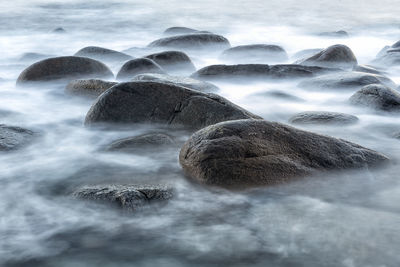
181	81
138	66
173	61
31	57
161	103
127	197
138	143
248	153
388	59
345	80
323	117
12	138
193	41
257	53
396	45
367	69
100	53
279	94
179	30
62	68
59	30
337	34
377	96
338	56
306	53
260	71
90	88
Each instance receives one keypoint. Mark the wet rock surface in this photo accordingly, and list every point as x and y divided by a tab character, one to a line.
248	153
193	41
179	30
378	97
101	53
152	102
138	66
13	138
139	143
88	88
173	61
323	117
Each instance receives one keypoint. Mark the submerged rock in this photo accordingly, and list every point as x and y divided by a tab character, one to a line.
377	96
59	30
62	68
173	61
323	117
367	69
259	71
179	30
33	57
337	34
306	53
337	56
255	53
345	80
12	138
279	94
177	80
193	41
127	197
138	66
248	153
101	53
138	143
90	88
152	102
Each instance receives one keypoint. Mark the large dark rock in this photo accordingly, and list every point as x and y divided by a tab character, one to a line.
63	68
152	102
141	142
100	53
247	153
345	80
191	83
12	137
127	197
337	56
193	41
260	71
138	66
89	88
377	96
179	30
323	117
173	61
259	53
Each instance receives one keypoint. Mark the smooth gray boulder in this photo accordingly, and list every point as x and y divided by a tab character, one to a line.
89	87
258	71
259	53
335	56
179	30
323	117
64	68
345	80
141	142
193	41
127	197
173	61
191	83
248	153
12	138
377	96
161	103
101	53
138	66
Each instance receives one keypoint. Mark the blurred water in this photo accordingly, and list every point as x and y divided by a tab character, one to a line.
341	219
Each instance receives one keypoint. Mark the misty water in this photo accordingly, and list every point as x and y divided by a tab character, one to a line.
335	219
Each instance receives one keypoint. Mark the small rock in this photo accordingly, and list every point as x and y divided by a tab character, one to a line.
193	41
173	61
12	138
323	117
127	197
59	30
377	96
249	153
100	53
138	66
257	53
337	34
90	88
138	143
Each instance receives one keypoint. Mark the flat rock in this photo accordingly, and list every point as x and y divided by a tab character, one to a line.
161	103
102	54
89	88
323	117
193	41
64	68
173	61
12	138
248	153
258	53
259	71
127	197
377	96
138	66
178	80
345	80
141	142
336	56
